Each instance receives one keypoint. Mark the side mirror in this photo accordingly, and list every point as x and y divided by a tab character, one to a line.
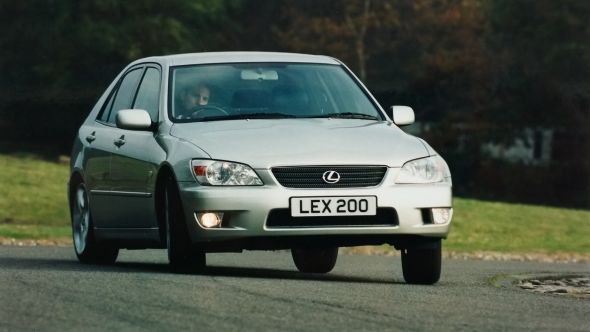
402	115
134	119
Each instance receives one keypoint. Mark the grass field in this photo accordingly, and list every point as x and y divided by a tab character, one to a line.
33	205
32	191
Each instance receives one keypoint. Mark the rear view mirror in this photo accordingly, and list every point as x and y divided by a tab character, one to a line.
259	74
135	119
402	115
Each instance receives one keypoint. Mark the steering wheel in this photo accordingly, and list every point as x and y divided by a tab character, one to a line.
199	109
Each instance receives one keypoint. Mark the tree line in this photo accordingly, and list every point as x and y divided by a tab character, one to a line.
476	70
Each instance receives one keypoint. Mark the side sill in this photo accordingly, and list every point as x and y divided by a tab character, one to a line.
121	193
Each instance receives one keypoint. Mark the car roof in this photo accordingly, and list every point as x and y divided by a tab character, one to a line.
236	57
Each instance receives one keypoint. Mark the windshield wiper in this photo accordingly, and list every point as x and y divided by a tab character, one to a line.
257	115
347	115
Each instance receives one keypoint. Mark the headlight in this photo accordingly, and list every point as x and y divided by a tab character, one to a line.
224	173
425	170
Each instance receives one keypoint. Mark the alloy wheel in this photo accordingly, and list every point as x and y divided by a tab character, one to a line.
81	220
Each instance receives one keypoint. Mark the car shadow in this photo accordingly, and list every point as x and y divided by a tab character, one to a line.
58	264
253	272
266	273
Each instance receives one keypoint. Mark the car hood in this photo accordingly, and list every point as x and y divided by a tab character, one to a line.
263	144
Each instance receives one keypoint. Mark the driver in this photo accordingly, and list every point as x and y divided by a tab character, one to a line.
194	96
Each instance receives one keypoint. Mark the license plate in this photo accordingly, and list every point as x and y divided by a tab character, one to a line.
333	206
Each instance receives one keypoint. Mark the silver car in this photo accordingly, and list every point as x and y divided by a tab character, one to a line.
221	152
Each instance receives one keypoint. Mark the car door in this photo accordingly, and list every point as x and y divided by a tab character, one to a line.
104	201
96	138
136	159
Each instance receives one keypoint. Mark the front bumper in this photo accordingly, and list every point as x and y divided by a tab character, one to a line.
246	210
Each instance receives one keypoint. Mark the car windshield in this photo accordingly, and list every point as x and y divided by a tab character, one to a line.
266	91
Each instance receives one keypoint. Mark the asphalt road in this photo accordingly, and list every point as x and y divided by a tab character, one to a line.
45	288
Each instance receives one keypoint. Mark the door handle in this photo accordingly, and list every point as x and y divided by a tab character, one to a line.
90	138
119	142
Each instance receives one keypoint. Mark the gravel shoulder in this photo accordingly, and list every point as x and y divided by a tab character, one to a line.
376	251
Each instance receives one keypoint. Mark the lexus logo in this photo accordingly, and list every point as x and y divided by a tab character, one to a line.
331	177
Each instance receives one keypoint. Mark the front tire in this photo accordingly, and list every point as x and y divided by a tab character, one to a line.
422	266
87	249
182	256
315	261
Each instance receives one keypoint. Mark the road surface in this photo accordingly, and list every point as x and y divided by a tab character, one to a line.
46	289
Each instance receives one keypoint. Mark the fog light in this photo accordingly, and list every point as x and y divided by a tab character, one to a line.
210	219
442	215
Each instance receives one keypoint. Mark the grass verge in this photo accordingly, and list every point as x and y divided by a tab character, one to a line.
35	232
504	227
32	191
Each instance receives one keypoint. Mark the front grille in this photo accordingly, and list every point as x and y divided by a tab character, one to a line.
311	176
281	218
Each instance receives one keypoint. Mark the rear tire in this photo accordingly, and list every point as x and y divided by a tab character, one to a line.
182	256
86	248
422	266
315	260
